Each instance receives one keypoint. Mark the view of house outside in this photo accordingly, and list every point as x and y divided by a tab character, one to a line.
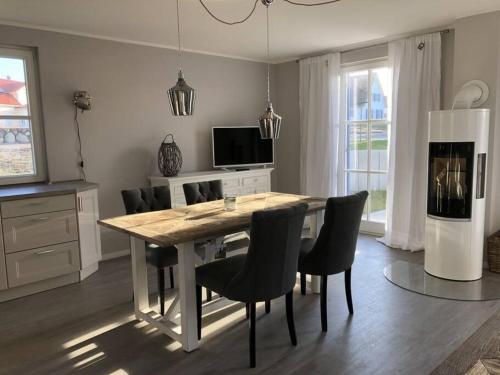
367	138
16	146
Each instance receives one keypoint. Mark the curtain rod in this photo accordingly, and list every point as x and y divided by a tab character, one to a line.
443	31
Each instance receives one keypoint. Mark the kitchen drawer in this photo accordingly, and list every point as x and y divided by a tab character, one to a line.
230	183
255	180
43	263
29	232
34	206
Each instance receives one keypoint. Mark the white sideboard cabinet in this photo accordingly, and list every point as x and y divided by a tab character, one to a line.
235	183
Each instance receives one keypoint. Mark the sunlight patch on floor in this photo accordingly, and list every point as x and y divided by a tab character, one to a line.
97	332
84	349
90	360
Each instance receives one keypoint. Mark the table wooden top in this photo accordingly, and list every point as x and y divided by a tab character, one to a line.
204	220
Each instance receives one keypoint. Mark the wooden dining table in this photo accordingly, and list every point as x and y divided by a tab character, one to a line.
182	227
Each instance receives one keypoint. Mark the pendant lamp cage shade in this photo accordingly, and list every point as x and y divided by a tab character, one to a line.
181	96
269	121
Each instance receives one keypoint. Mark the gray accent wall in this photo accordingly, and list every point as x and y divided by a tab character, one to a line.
130	114
477	56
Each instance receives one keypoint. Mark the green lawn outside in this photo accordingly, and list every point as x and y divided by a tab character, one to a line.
378	199
379	144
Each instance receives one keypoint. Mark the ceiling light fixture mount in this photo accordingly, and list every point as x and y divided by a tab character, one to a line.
181	96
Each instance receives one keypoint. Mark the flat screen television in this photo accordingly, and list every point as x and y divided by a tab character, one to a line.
240	146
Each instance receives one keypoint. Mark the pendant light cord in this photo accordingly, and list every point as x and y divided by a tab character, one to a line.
267	55
311	4
178	35
232	23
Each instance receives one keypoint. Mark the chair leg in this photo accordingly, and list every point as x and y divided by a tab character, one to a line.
268	306
303	283
209	295
161	290
252	335
289	317
198	309
247	308
324	323
171	270
348	295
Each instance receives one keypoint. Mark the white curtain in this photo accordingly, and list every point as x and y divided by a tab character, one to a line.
319	124
416	76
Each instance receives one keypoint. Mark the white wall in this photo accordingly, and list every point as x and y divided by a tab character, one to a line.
130	114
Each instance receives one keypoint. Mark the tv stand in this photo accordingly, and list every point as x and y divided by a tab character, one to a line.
235	183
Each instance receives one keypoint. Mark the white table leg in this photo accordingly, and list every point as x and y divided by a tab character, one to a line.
316	222
187	293
139	275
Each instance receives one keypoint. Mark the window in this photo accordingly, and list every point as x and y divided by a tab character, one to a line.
366	132
21	138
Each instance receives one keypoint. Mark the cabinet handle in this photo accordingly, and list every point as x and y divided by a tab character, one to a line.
45	252
38	203
79	204
43	218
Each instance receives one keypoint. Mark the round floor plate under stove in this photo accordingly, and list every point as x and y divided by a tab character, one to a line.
412	276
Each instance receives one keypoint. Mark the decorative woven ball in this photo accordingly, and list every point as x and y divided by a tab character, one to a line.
169	157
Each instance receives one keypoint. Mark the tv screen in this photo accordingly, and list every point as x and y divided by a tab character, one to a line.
240	146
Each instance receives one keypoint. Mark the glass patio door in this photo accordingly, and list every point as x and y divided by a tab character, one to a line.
366	133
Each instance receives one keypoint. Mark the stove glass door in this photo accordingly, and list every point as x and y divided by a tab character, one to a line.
449	192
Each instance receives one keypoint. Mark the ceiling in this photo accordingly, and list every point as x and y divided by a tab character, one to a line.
295	31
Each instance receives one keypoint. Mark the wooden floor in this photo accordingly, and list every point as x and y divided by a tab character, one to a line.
90	327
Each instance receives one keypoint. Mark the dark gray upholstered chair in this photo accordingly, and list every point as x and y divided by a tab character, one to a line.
154	199
206	191
333	251
199	192
267	271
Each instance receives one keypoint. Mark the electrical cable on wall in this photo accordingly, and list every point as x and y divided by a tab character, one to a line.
83	101
81	164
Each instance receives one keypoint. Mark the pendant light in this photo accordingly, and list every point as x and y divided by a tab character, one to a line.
181	96
269	122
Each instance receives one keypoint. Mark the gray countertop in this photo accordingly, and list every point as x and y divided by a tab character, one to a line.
43	189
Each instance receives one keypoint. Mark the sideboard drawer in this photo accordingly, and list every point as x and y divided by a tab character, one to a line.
230	182
254	190
255	180
232	192
43	263
34	206
178	190
29	232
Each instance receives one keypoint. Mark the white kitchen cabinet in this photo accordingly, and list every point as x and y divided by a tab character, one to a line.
90	240
48	236
3	270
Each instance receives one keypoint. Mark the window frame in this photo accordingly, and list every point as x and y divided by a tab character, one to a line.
35	115
366	224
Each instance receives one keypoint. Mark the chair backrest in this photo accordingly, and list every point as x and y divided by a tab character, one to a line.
146	199
199	192
334	249
271	265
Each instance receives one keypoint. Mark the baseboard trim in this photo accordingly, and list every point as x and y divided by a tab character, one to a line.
39	286
115	254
